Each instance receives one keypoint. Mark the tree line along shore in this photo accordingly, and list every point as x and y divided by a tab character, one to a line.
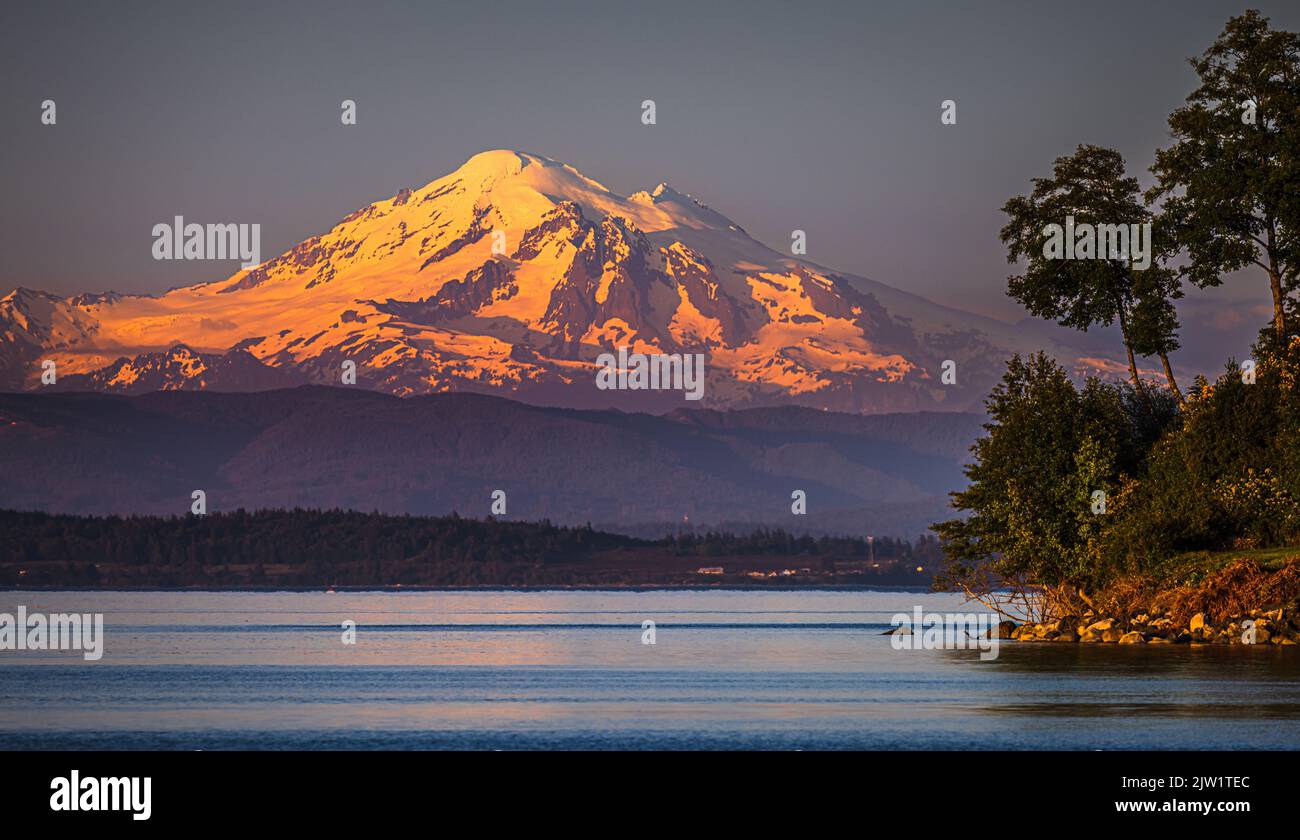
325	548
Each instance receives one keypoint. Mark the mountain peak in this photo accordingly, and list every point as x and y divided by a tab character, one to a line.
22	293
512	275
662	192
665	191
497	162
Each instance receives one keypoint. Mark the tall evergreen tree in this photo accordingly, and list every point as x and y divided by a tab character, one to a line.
1230	183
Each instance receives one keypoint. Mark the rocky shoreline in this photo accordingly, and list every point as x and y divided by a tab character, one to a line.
1256	627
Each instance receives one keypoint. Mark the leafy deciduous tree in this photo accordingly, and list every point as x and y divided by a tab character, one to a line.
1091	187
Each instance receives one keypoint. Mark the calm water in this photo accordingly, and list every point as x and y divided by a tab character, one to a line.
806	670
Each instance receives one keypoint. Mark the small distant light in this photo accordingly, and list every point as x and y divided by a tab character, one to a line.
920	568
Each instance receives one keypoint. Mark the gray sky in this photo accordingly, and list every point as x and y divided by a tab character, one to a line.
818	116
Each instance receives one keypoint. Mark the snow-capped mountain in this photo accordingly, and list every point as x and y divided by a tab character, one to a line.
412	290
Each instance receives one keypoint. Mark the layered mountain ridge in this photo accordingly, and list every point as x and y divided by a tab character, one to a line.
347	448
511	276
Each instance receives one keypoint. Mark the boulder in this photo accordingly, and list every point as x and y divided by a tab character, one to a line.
1088	636
1102	624
1197	622
1003	630
1066	635
1132	638
1114	634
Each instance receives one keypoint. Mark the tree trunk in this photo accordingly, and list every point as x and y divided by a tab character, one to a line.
1132	362
1173	384
1279	312
1133	370
1275	286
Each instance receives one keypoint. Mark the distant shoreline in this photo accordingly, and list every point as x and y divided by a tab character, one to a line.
307	550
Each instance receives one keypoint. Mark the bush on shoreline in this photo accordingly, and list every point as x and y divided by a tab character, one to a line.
1079	489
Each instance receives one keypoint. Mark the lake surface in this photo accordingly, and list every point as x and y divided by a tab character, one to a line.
564	670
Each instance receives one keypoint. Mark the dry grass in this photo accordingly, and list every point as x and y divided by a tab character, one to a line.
1234	590
1219	584
1125	598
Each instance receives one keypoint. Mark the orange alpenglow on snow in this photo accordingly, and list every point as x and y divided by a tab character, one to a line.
512	275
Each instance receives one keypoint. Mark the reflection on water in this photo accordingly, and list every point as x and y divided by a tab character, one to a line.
793	669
